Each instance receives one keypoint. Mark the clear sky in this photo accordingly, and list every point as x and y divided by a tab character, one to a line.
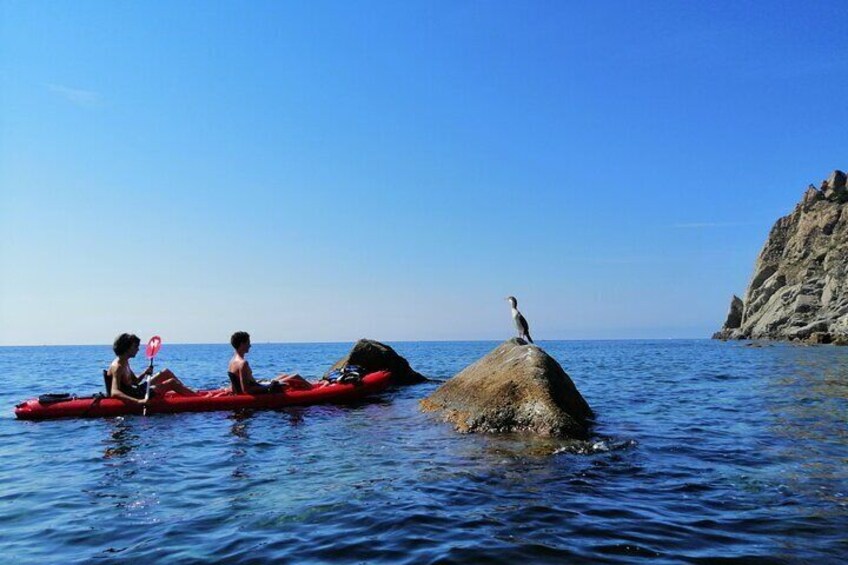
324	171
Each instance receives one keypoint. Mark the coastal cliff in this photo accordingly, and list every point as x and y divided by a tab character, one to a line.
799	288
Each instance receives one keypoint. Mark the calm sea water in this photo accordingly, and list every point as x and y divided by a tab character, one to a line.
704	451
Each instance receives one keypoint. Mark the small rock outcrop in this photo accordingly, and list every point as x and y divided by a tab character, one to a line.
375	356
515	388
734	315
799	289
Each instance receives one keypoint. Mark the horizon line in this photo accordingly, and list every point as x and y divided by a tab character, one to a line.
381	341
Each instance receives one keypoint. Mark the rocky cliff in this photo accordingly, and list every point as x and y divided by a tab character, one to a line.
799	289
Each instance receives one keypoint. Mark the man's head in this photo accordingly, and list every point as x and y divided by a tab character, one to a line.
126	345
240	342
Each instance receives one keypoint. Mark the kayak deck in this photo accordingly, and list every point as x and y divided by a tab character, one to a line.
205	401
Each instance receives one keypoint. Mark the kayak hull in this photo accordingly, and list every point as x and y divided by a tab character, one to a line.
205	401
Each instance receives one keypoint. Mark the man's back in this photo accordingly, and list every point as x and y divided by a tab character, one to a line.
240	369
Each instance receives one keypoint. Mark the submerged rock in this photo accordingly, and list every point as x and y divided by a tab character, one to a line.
375	356
799	289
515	388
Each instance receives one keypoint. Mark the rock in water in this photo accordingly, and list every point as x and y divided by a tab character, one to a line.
734	318
800	284
375	356
515	388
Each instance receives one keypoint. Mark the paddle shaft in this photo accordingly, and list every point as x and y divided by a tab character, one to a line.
147	391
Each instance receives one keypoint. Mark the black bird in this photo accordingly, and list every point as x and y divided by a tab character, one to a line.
520	323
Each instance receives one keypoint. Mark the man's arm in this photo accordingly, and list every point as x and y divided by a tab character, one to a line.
116	391
248	383
137	379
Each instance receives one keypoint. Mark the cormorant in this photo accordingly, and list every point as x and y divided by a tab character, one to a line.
520	323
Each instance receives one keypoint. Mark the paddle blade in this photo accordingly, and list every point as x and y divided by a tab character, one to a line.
153	346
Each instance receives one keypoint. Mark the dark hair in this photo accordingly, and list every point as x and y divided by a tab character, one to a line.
123	343
239	338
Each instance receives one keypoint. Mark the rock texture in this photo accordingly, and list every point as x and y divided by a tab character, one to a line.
799	290
515	388
375	356
734	315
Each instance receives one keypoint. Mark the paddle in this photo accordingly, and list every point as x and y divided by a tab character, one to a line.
152	349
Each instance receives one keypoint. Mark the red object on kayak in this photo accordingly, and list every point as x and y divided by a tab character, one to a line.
205	401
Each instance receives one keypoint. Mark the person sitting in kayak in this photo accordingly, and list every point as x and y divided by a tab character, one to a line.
132	388
240	372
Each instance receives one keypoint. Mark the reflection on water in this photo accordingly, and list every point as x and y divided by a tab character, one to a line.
240	430
122	468
122	439
809	409
295	415
241	420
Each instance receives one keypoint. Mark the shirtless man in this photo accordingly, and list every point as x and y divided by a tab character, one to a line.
240	370
129	387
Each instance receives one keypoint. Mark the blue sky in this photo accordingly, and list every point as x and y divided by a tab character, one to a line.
324	171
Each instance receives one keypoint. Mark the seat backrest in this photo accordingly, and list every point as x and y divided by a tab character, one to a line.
234	382
107	380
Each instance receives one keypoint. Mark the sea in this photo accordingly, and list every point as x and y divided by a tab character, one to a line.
701	452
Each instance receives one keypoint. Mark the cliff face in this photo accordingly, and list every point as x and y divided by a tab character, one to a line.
799	289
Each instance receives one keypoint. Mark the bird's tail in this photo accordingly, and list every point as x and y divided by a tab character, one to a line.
530	339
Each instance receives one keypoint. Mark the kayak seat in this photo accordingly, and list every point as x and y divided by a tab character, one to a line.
107	380
234	382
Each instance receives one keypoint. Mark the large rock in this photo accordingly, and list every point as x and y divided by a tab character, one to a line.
733	321
515	388
375	356
800	283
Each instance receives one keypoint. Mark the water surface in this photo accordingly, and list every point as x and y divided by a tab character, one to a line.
702	451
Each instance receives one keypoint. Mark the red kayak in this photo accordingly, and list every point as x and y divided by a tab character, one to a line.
205	401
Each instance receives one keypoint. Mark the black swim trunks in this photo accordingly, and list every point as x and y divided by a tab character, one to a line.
271	387
139	391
